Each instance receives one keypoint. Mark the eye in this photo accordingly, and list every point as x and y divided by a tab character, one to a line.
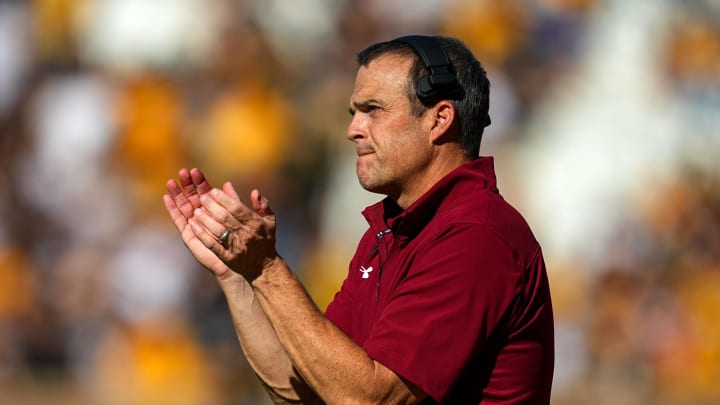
364	108
370	109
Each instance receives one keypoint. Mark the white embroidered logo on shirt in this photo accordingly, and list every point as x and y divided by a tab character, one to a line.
366	271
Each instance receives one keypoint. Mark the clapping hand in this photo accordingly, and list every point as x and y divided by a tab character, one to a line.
221	232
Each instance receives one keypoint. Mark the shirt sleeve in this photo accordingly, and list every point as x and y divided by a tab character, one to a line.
452	301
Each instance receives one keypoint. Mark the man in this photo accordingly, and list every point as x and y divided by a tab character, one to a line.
446	299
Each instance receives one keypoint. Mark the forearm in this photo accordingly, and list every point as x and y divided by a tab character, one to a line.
286	321
262	348
338	369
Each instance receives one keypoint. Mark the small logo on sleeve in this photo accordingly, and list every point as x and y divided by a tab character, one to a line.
366	271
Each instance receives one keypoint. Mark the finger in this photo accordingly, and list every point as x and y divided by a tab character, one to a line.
230	190
181	201
170	205
260	204
189	188
193	184
201	184
227	209
205	236
186	180
173	188
177	217
213	226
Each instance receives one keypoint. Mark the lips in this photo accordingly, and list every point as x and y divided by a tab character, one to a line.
364	151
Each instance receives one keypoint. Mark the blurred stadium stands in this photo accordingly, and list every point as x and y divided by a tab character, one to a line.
606	132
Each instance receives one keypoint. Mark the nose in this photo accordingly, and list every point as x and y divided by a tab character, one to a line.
355	130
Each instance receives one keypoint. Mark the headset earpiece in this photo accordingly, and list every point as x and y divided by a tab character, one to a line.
442	82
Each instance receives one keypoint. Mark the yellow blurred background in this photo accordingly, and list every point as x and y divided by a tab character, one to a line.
606	132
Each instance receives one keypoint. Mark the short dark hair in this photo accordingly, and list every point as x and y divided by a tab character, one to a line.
472	109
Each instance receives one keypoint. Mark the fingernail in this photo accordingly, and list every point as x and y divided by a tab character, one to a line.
198	211
203	198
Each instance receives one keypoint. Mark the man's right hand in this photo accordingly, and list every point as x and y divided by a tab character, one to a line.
181	201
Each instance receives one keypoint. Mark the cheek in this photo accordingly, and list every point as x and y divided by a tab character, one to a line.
397	143
407	145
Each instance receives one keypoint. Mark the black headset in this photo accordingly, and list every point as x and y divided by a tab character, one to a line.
442	82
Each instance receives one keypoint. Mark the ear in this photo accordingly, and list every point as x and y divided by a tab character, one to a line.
443	119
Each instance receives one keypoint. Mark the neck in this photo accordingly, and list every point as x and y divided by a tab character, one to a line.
439	167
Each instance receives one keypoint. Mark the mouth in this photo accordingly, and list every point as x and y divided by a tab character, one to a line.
364	151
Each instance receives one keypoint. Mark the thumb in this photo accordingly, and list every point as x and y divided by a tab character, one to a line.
260	204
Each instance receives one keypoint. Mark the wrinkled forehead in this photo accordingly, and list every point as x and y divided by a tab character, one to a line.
385	75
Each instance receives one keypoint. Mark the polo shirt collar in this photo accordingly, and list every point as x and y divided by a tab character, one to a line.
387	214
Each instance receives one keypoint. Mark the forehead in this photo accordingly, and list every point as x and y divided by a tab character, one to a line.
385	76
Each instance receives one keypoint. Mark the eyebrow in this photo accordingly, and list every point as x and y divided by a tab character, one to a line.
357	105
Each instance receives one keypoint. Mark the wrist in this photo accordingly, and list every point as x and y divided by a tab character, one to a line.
231	283
269	267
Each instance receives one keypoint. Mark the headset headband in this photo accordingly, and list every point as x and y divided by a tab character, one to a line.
442	82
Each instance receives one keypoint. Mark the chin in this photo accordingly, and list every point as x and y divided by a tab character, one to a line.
373	187
371	183
366	184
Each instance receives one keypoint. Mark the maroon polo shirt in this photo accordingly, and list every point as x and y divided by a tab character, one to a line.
452	294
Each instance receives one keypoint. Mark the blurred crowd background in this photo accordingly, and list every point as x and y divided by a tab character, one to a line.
606	132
